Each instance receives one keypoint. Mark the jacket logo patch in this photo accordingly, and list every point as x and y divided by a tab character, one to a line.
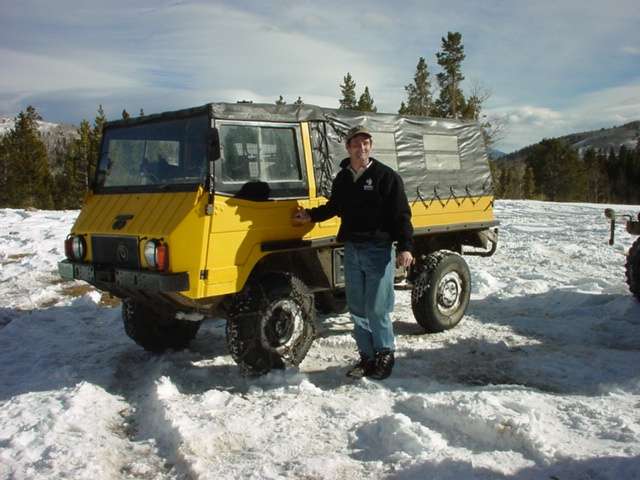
368	185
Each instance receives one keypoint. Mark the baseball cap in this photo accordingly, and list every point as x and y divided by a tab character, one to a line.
357	130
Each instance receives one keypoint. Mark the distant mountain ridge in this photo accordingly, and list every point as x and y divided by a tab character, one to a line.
52	133
602	139
6	124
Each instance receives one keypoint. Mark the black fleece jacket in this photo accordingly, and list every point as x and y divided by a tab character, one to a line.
374	207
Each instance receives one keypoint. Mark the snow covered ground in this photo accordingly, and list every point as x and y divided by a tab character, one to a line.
539	381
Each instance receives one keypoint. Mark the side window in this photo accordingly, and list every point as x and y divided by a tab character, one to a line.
266	154
279	155
441	152
239	147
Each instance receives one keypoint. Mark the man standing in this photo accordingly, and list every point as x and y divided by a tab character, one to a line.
369	198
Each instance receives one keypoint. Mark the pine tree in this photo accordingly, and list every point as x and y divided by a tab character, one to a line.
125	115
280	101
96	140
528	184
71	181
348	91
505	182
142	112
27	179
451	100
419	100
634	180
61	182
597	183
627	164
298	101
78	164
614	173
494	168
5	170
365	103
559	173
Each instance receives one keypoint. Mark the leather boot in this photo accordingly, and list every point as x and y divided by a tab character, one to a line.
362	368
382	365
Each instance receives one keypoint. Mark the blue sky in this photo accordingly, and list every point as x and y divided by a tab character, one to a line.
551	67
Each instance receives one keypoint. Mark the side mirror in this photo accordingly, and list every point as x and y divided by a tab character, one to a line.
214	145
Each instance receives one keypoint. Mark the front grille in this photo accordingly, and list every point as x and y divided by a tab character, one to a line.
118	251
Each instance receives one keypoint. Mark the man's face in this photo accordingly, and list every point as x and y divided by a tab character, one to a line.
359	148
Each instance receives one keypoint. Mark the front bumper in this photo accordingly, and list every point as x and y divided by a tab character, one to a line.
120	279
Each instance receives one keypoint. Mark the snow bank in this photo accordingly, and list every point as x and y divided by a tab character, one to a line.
539	380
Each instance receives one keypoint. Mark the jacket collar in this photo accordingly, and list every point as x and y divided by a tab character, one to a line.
345	163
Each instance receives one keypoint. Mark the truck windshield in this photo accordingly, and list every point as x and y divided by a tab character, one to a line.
155	155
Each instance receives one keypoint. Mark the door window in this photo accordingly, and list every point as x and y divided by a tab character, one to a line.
267	155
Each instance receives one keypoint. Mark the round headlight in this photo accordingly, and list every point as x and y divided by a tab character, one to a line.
150	253
78	247
75	247
156	253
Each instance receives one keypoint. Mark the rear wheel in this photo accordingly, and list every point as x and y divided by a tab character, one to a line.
441	291
633	268
155	332
271	323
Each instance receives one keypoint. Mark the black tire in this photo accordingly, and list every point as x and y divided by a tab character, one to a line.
331	301
633	269
271	323
154	332
441	291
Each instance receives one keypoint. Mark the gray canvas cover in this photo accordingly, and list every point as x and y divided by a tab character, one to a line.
438	159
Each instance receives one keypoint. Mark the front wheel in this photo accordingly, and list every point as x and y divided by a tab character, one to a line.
633	269
441	291
155	332
271	323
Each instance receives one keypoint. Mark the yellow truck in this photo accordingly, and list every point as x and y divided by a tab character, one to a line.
189	216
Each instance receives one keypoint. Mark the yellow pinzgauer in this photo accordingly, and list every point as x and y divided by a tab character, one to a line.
189	215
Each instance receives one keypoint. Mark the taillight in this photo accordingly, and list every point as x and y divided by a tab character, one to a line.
162	257
156	253
75	248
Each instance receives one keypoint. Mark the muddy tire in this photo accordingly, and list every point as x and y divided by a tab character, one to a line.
154	332
633	269
331	301
271	323
441	291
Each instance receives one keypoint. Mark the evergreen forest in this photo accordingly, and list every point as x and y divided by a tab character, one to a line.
554	170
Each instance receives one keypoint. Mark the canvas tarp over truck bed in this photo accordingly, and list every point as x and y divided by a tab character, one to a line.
438	159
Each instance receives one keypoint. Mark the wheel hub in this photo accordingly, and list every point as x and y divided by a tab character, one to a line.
449	292
282	326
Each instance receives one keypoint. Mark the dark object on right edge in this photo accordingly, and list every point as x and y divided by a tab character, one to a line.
632	264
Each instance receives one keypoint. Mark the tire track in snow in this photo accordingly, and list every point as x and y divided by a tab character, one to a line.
155	387
147	422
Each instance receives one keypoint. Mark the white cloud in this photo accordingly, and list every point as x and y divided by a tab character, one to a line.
631	50
226	48
165	55
607	107
616	104
27	72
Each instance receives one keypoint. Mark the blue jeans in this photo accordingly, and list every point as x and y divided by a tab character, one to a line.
369	270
